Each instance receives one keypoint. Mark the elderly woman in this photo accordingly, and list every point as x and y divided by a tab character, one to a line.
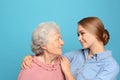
47	46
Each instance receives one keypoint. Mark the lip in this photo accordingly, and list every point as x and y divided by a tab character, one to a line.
59	47
81	42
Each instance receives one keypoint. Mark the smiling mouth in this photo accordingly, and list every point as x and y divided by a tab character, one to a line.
82	43
60	48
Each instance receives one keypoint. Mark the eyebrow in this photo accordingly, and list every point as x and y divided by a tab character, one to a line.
80	31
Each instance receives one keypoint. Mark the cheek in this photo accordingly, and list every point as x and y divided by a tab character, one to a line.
91	41
86	38
51	47
54	47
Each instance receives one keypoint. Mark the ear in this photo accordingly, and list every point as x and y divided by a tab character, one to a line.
43	47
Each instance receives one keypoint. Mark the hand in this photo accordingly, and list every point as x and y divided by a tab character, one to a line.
27	62
65	65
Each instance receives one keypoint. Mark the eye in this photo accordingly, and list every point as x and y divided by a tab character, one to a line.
82	33
60	38
78	34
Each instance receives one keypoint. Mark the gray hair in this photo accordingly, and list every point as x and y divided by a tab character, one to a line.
40	35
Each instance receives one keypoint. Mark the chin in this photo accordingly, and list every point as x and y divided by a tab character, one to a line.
60	54
84	47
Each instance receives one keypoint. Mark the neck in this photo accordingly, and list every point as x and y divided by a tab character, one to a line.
96	49
48	58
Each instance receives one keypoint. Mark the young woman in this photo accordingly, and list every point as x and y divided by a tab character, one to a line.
93	62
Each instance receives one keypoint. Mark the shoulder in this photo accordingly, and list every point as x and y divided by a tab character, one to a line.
109	62
112	64
75	54
107	57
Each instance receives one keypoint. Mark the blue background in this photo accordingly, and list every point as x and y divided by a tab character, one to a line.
18	18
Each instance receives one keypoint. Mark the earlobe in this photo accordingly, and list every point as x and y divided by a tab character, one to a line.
43	47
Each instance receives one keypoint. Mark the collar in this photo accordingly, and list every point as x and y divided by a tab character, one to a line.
48	67
98	56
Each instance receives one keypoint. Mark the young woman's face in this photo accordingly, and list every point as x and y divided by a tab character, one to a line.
86	38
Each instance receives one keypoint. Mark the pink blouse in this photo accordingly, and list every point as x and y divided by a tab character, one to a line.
41	71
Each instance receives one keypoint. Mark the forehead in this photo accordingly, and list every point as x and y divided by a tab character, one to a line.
54	34
80	28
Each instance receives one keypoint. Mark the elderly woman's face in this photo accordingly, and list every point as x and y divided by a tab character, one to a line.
55	43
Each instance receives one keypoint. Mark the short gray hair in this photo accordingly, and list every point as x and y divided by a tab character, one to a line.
39	35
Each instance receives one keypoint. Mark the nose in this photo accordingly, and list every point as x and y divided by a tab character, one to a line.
61	41
79	37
